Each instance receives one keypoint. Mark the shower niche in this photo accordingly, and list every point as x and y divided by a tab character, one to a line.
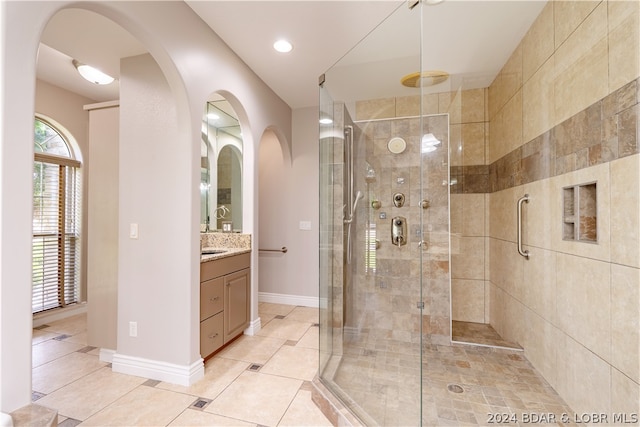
580	213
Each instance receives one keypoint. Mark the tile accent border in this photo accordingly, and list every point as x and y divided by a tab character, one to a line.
605	131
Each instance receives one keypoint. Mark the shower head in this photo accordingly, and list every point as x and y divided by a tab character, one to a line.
424	79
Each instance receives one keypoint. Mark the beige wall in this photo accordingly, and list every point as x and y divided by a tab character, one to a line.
573	306
102	229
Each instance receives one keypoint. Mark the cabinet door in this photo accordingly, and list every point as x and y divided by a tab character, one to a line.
236	303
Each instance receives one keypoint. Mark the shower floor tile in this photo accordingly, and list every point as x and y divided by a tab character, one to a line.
461	384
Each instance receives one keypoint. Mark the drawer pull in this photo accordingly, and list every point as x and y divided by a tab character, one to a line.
213	336
214	299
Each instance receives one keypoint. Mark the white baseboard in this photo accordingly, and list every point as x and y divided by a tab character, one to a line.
288	299
254	327
185	375
106	355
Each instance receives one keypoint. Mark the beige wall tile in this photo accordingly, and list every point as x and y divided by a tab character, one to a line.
625	320
625	211
506	129
582	66
457	216
568	15
624	42
584	303
467	300
581	85
473	144
376	109
540	345
583	379
468	261
539	287
496	305
487	302
625	395
487	266
451	103
473	214
508	82
473	105
539	223
408	106
538	101
506	268
513	122
515	328
502	221
455	141
538	44
587	35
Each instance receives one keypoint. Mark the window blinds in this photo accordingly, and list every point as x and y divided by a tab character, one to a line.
56	232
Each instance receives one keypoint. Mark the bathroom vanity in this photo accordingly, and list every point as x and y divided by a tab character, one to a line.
225	290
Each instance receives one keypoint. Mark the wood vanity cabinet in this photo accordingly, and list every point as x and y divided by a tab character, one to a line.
225	286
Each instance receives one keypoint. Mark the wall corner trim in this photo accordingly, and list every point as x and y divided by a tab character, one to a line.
254	327
184	375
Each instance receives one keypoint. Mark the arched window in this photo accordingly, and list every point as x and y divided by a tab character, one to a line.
56	221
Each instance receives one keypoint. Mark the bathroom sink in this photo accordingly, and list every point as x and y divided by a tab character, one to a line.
213	251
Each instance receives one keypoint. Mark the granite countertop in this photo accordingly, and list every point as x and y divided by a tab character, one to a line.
227	253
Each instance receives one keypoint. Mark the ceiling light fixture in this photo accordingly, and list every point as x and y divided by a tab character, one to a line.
92	74
283	46
326	121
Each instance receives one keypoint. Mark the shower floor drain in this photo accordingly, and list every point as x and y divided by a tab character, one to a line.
455	388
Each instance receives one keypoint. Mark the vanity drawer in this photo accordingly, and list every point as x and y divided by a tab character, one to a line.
222	266
211	334
211	297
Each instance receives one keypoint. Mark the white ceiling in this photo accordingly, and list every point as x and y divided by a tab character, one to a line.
469	39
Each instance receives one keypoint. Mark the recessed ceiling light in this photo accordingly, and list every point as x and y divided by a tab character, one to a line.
92	74
283	46
326	121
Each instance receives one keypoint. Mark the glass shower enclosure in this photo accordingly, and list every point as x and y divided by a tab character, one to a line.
384	220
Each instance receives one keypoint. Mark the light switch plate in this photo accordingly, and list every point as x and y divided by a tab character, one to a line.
305	225
133	231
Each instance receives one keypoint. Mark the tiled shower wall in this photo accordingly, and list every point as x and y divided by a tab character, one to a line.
564	111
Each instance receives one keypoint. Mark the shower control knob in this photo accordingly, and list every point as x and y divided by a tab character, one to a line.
398	200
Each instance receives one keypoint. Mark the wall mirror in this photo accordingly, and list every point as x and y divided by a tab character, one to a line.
220	168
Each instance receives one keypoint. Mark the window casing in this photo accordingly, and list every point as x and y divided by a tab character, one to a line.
56	246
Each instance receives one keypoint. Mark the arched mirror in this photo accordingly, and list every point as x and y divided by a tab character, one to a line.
220	168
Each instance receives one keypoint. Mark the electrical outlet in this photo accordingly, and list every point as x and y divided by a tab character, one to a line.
133	329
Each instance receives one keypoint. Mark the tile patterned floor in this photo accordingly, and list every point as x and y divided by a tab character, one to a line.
261	380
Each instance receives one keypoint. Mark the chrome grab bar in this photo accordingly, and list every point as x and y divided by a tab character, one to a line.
282	249
524	253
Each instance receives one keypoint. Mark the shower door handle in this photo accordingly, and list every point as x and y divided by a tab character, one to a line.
523	199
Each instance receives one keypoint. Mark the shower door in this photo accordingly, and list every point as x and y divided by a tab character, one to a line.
384	224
